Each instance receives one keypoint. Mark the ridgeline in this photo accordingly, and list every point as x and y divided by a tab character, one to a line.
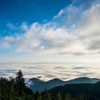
16	89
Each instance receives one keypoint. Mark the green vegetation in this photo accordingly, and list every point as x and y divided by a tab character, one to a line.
87	90
15	89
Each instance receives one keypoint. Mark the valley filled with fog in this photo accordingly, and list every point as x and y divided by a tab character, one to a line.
47	72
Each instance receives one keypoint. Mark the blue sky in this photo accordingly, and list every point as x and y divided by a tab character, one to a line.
64	31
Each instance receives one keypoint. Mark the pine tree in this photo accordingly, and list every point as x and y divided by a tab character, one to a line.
20	82
59	97
19	76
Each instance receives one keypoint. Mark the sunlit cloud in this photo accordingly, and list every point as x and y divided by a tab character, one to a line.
59	14
71	32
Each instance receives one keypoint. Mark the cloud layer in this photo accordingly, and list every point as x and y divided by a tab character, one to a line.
73	31
51	71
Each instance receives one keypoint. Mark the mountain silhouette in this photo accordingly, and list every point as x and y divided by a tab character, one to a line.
40	85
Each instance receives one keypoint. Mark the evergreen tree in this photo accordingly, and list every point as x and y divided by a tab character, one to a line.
67	97
19	76
59	97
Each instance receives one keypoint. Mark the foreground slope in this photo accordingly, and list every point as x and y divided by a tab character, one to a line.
89	90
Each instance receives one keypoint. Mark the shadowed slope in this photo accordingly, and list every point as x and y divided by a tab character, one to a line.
41	85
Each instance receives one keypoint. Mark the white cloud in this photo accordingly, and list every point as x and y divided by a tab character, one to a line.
59	14
4	45
76	39
88	27
24	26
11	26
9	38
68	16
50	71
45	20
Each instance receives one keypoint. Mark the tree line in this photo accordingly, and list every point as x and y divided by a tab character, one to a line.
15	89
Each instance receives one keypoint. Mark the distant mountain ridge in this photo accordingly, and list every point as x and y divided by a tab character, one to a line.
39	85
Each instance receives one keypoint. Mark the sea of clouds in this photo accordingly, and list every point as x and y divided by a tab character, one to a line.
50	71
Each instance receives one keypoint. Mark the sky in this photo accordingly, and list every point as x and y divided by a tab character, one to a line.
50	31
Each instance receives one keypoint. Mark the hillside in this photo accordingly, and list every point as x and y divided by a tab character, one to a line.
90	91
16	89
41	85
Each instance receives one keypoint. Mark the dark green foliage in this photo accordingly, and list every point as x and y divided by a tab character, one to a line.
14	89
59	97
79	91
19	76
46	95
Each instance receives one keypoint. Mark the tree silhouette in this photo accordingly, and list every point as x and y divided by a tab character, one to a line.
20	82
19	76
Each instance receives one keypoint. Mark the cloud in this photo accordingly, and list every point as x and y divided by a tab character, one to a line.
95	45
88	28
50	71
24	26
78	33
45	20
73	53
11	26
80	68
68	16
59	14
4	45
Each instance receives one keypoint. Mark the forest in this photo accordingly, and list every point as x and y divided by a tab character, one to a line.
16	89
